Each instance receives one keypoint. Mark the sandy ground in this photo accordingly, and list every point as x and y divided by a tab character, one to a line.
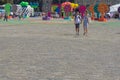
32	49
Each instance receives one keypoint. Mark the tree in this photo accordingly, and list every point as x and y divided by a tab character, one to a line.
1	2
7	1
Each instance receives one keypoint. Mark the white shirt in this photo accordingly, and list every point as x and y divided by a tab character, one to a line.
77	19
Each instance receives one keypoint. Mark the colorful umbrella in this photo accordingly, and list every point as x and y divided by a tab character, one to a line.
8	8
24	4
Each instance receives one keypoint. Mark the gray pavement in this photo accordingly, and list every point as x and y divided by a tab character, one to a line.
49	50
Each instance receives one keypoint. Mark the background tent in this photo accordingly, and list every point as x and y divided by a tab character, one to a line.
114	8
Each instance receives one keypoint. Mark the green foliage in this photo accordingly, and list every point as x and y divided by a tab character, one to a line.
24	4
2	2
8	8
34	4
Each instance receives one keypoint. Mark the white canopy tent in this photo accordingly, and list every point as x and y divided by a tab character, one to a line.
114	8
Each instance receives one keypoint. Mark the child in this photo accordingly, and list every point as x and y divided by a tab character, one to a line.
77	21
85	24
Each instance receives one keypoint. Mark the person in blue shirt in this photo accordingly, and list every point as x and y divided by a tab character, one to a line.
85	24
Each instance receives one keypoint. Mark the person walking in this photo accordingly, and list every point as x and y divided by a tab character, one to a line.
85	24
5	17
77	21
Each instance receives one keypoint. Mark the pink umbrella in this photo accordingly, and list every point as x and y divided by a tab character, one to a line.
82	9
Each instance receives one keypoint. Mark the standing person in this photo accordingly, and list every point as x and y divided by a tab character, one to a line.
5	17
19	16
85	24
77	21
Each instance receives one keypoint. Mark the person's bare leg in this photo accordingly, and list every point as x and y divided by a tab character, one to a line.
84	30
77	31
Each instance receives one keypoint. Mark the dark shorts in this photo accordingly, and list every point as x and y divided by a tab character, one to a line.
77	25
